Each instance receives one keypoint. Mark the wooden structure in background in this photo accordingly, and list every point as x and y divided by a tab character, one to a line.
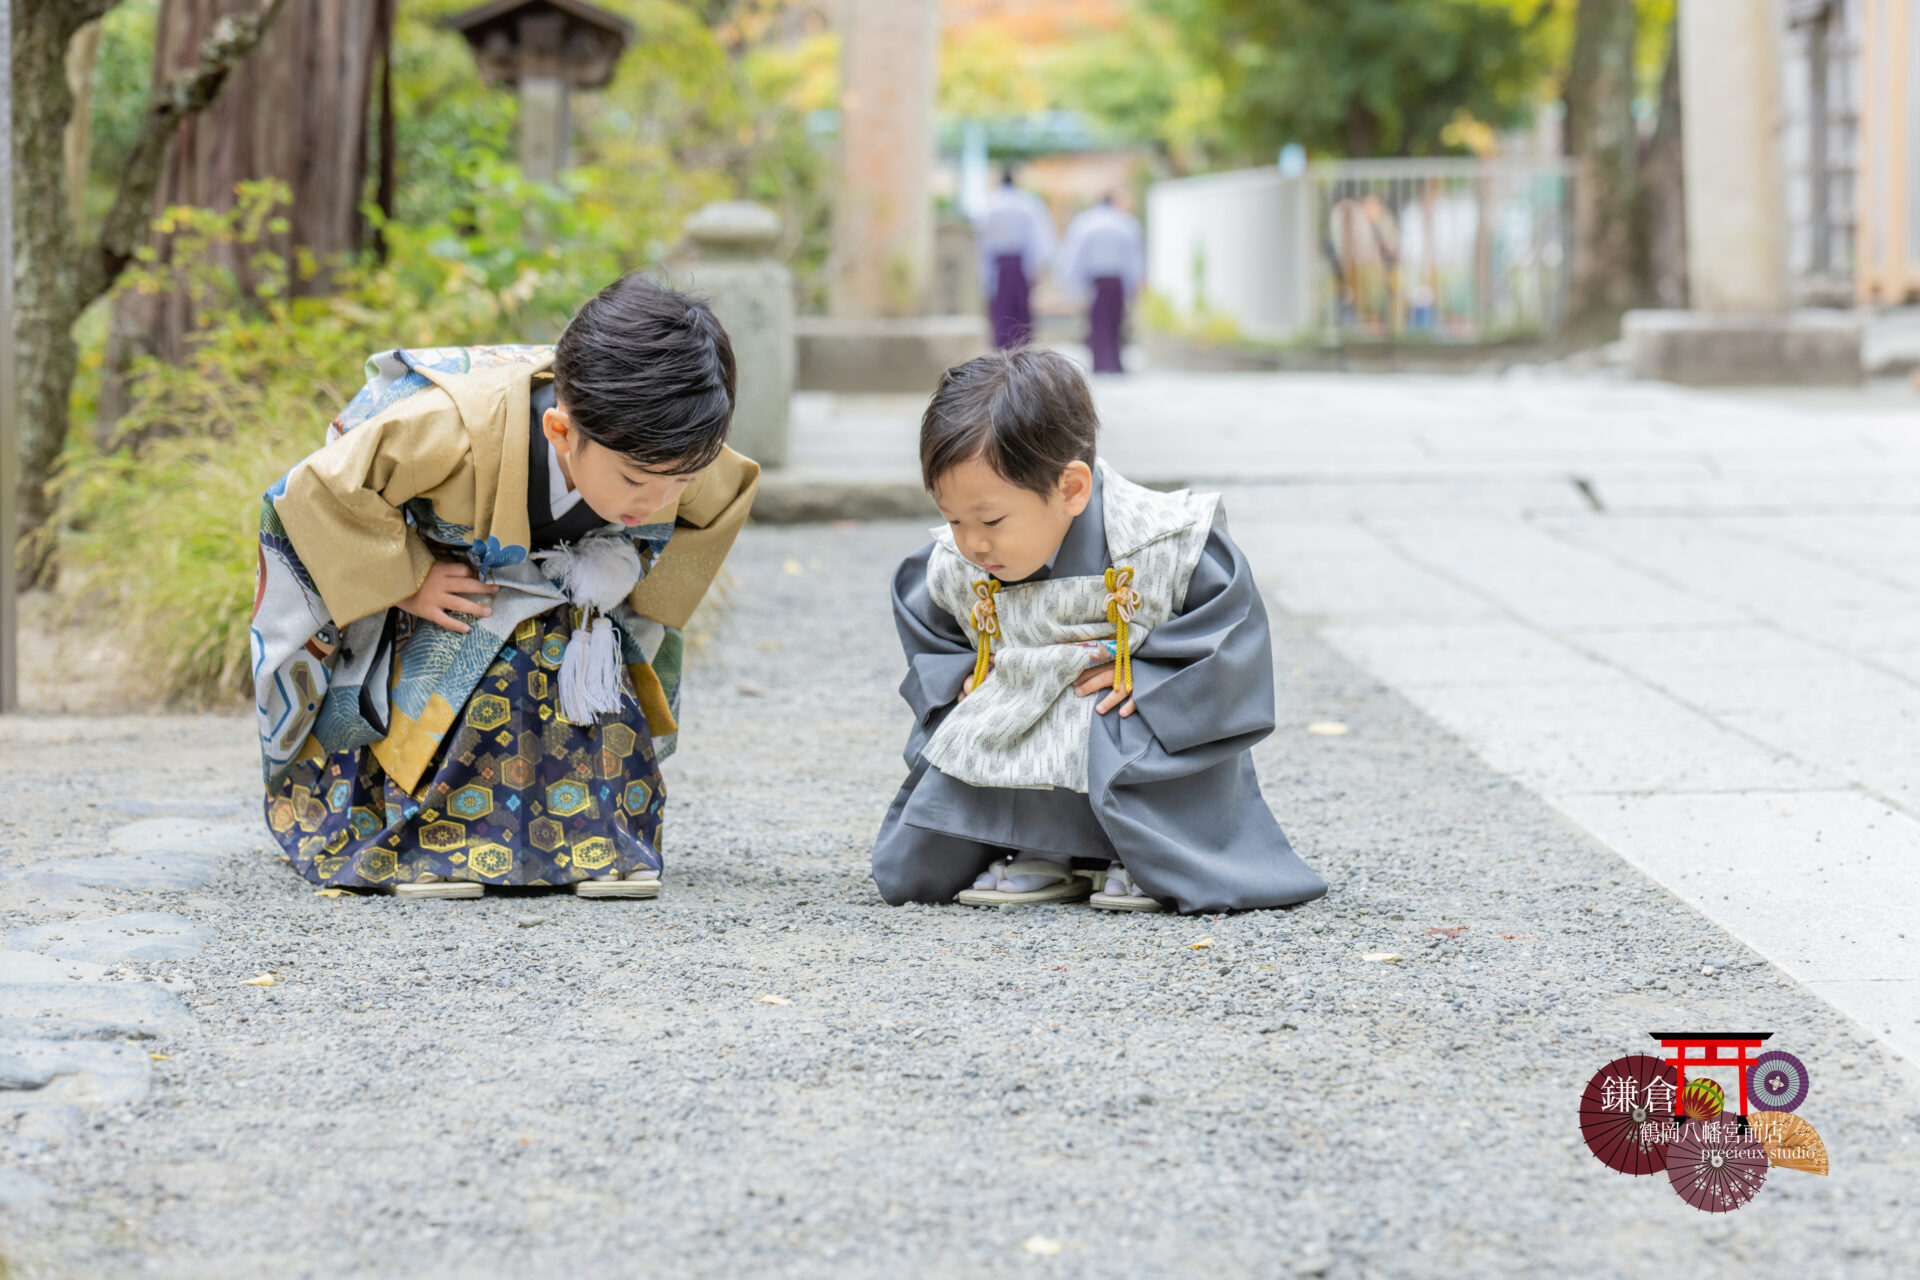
544	49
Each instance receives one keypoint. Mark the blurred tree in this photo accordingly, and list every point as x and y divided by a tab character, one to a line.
298	111
57	274
446	122
1140	79
82	54
122	76
1661	220
1602	140
1362	77
712	102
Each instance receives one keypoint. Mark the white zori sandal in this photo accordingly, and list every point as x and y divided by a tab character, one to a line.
641	882
1118	892
1023	882
432	886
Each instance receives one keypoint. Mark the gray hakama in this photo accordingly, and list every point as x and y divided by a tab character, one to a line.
1171	792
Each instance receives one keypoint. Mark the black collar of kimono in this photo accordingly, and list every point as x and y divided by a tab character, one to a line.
1083	552
544	531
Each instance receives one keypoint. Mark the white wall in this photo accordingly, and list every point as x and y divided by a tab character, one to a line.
1249	233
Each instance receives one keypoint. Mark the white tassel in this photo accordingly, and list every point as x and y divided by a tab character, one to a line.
595	573
590	673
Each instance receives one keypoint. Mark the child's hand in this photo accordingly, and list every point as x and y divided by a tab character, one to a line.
1097	678
448	587
967	686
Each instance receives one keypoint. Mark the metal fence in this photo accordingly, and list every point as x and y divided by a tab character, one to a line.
1440	250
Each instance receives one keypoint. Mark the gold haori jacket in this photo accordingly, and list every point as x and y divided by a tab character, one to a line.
1022	726
429	461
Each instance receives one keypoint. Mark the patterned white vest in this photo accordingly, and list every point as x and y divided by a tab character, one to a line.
1023	726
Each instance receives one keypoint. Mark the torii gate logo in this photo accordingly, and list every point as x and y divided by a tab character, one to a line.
1640	1115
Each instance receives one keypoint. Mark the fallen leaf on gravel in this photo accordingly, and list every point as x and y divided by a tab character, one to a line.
1044	1247
1385	956
1201	945
1452	933
161	1057
260	980
791	567
1327	728
775	1000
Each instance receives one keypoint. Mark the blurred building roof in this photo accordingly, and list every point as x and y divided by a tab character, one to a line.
591	38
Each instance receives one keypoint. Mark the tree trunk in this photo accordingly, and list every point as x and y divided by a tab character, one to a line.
1601	139
384	184
1363	132
298	111
1662	231
56	280
81	56
46	299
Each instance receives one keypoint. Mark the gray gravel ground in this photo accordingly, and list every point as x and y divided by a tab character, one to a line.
535	1085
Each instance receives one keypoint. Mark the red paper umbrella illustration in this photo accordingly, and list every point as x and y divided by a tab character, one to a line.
1623	1125
1716	1165
1702	1100
1777	1081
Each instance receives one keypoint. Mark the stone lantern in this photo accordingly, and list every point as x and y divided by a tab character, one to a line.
544	49
751	292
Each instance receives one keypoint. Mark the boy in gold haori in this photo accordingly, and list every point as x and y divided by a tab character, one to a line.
467	626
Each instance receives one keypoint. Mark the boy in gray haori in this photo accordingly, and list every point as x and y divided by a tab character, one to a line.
1055	579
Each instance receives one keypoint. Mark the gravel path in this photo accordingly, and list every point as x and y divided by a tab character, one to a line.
768	1072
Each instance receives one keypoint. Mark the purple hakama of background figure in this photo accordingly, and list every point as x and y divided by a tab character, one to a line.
1105	321
1012	309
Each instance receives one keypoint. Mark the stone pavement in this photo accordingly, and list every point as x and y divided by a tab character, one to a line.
87	981
1689	620
207	1070
214	1072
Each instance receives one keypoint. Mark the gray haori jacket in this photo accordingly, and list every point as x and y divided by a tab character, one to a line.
1025	765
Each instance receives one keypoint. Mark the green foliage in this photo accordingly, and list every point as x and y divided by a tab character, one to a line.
1156	314
122	71
987	72
161	530
1142	81
1363	77
1212	82
447	125
710	103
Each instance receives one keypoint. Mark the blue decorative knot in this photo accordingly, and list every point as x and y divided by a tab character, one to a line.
488	554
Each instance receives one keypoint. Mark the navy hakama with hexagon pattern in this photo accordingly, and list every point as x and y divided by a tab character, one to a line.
517	796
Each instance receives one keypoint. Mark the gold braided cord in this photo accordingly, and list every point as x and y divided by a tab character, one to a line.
1122	603
986	625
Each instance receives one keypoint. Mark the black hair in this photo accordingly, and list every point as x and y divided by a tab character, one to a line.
647	371
1027	412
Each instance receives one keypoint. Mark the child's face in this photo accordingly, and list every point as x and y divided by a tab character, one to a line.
1009	531
614	485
